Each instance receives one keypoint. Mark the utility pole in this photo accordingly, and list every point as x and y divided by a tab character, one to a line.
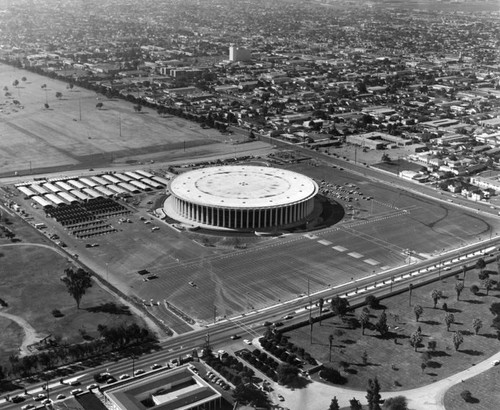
79	106
215	313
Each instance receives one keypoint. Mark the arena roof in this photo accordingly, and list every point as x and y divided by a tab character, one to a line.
242	186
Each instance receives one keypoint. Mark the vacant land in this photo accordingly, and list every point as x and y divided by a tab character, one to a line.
392	359
72	133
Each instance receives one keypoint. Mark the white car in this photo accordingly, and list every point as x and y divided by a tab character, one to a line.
248	342
60	397
92	386
138	372
74	392
28	407
155	366
124	376
495	363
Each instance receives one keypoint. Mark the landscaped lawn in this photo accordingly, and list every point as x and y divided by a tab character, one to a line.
30	284
394	362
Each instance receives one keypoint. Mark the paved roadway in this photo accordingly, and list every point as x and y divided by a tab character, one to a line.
251	326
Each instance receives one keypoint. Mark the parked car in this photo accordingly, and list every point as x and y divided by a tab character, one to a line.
124	376
155	366
74	392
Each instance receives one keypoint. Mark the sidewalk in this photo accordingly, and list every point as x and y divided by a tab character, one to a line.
318	396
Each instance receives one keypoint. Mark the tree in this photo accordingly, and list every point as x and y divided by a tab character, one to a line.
466	395
249	394
381	324
23	79
15	83
77	282
474	289
464	271
334	405
415	339
364	357
364	320
372	301
477	324
340	306
487	284
99	105
449	319
418	310
423	366
355	404
59	95
386	158
43	86
395	403
480	264
46	106
373	394
287	374
459	286
5	88
138	108
436	295
458	339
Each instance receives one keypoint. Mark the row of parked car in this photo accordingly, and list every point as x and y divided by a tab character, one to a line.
217	380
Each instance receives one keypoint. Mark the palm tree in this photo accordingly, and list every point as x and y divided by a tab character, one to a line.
436	295
464	271
458	339
418	310
449	319
487	284
415	339
364	319
476	325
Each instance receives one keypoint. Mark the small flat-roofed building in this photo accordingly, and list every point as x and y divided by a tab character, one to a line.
172	389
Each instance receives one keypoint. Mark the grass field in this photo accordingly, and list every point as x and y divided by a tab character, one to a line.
484	389
73	133
398	366
30	284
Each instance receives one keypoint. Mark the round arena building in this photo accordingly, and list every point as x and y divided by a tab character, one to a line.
241	197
